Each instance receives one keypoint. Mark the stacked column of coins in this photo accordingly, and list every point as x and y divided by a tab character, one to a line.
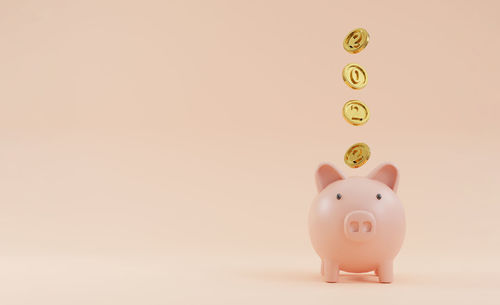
356	112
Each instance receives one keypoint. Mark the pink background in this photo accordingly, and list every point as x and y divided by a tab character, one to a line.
163	152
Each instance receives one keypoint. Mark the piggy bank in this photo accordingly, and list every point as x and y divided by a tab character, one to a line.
357	224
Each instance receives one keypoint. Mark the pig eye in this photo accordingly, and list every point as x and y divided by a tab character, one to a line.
379	196
339	196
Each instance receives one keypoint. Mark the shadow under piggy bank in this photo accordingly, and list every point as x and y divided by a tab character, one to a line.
296	276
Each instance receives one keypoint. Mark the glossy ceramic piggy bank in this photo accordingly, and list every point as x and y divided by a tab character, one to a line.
357	224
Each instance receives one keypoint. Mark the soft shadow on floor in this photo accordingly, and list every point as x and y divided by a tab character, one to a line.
466	280
305	276
358	278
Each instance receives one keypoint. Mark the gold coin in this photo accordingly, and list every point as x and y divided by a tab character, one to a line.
356	112
357	155
354	76
356	41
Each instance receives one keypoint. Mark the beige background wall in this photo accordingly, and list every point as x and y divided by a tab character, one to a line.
162	152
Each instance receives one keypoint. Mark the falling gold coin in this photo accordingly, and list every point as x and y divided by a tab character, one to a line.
356	41
354	76
357	155
356	112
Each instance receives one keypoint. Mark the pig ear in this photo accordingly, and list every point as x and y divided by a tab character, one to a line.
387	173
327	174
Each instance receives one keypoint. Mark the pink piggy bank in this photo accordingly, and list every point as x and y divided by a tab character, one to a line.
357	224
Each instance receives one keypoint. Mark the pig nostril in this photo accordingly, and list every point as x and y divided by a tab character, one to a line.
367	226
354	226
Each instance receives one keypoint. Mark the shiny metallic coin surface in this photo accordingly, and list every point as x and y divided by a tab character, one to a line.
354	76
356	112
357	155
356	40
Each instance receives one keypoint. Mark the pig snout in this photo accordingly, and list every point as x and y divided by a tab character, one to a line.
359	225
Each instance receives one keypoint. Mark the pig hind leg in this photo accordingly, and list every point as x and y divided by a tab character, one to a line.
330	271
385	272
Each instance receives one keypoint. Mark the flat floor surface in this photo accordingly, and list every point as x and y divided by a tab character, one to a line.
227	280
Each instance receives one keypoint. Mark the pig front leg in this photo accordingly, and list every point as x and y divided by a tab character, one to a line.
385	272
330	271
322	268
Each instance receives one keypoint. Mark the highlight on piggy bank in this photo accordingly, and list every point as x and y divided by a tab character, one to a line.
357	224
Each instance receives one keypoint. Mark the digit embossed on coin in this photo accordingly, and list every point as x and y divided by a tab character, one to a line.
356	112
356	41
357	155
354	76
